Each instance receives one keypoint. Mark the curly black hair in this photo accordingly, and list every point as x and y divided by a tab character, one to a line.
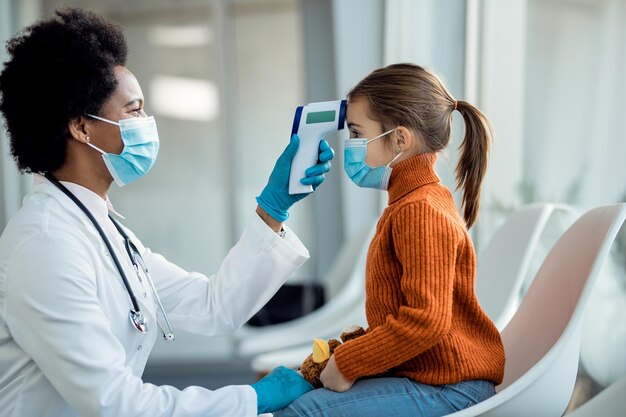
57	70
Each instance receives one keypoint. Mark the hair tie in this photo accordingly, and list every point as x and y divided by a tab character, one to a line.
455	104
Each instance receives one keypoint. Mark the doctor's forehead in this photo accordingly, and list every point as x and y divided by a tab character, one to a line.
128	90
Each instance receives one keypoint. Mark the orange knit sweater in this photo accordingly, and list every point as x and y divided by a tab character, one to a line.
424	319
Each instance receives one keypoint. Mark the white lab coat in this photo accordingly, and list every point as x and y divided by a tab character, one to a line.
67	347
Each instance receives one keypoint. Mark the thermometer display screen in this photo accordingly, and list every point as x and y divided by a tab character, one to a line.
320	117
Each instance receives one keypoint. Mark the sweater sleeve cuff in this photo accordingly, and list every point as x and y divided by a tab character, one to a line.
352	358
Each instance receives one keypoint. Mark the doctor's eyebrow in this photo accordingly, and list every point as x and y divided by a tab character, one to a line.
133	101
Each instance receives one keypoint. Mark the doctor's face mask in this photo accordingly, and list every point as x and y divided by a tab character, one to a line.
355	151
141	146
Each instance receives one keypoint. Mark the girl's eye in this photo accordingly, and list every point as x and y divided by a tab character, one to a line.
354	133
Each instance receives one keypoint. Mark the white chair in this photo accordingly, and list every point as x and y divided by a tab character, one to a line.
346	308
611	402
505	264
602	351
502	265
542	340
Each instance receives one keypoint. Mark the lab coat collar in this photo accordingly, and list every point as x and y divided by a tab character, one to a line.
95	204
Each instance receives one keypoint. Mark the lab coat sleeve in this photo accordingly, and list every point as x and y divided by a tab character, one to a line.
54	315
254	269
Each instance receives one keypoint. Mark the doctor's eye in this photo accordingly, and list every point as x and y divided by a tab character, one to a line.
137	112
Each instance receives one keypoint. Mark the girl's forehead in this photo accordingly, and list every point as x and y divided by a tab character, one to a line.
358	109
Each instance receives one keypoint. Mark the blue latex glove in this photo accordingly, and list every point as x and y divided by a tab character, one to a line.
278	389
275	198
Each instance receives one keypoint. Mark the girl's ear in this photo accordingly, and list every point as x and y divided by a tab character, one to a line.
405	139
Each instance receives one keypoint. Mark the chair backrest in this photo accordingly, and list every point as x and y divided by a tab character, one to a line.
503	263
542	340
549	315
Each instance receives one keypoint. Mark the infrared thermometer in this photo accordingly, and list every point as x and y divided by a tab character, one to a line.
311	123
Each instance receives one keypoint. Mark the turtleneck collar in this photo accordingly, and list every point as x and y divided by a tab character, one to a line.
412	173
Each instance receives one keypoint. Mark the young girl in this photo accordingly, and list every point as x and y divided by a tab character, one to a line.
430	350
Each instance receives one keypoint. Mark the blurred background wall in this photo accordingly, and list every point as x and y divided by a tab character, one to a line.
223	78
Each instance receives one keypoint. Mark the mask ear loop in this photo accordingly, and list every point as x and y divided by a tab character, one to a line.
96	148
380	136
102	119
396	157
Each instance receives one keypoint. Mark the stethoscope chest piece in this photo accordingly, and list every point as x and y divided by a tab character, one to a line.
139	321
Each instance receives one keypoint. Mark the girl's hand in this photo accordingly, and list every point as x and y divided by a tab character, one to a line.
333	379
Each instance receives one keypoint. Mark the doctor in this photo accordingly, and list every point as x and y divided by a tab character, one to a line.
82	301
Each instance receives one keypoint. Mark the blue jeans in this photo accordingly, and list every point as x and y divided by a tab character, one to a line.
395	397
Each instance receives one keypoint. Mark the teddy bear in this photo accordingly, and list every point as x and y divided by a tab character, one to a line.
315	363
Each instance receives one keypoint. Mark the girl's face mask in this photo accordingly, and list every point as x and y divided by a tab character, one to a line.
141	146
355	151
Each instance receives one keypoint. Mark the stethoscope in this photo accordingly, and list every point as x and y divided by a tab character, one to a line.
137	318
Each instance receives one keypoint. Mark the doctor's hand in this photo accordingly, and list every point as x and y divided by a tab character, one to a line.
333	379
275	198
278	389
